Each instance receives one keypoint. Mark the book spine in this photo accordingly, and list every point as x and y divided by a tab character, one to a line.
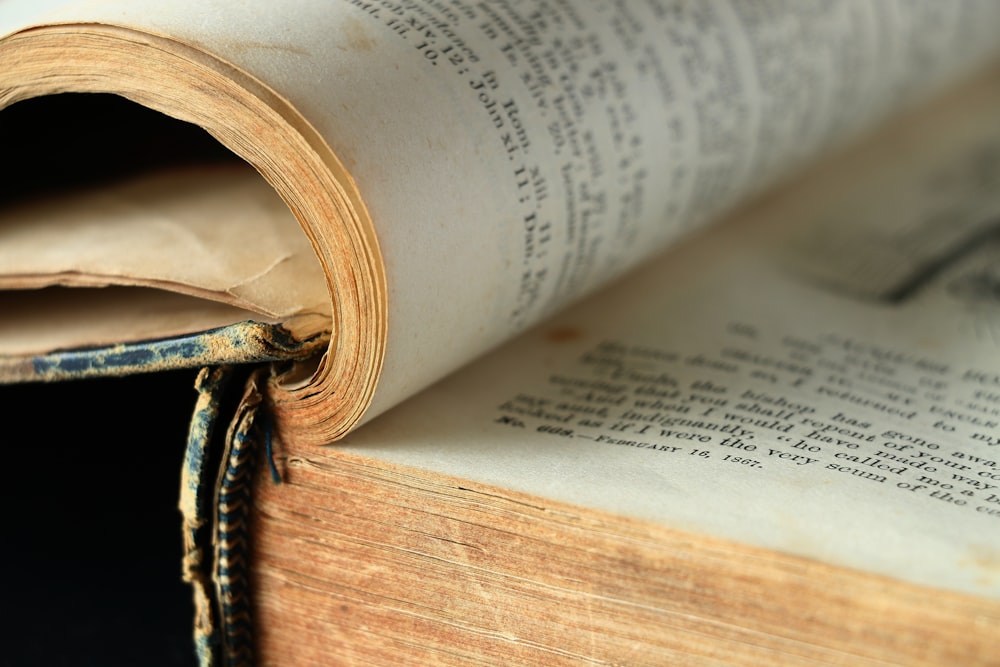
196	496
216	487
239	343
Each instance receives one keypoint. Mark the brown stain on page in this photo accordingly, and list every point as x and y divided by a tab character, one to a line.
357	36
563	334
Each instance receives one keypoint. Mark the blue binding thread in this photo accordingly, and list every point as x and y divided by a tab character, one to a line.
232	524
237	344
197	494
216	494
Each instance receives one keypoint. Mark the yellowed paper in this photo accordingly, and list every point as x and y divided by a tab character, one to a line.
510	159
729	389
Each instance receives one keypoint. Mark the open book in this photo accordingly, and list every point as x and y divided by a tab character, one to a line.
777	442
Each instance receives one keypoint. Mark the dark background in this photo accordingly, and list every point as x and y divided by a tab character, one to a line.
91	469
91	538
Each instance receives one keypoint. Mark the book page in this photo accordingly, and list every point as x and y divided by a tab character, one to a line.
514	156
218	232
747	386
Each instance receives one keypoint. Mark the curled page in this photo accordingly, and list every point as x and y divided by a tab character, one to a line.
462	170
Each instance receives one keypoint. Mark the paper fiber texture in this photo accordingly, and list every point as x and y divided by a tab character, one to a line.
492	164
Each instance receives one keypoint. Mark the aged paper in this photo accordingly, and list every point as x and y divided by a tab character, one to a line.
728	389
512	157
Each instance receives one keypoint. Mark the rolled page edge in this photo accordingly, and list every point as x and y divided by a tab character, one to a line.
256	123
